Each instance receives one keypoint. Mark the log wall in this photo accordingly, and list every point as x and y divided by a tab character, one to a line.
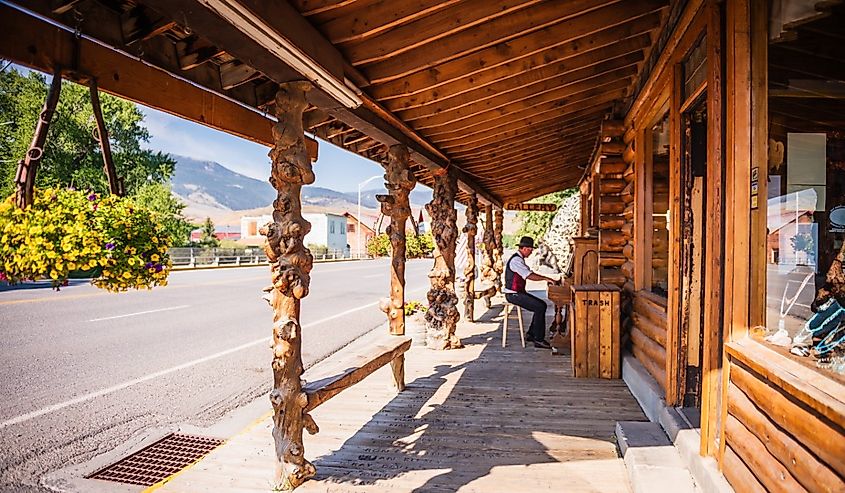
775	442
648	333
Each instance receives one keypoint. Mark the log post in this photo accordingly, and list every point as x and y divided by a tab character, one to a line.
115	183
399	181
488	272
28	166
499	251
442	315
290	265
470	229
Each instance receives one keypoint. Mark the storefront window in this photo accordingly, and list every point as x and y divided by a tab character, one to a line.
660	206
805	202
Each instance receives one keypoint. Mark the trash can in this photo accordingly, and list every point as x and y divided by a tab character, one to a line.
595	333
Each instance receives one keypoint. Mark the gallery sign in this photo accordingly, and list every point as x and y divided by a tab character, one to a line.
528	207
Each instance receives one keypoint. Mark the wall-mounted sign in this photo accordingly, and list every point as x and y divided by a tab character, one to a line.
755	187
527	207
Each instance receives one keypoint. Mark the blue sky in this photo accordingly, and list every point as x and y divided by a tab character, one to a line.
335	168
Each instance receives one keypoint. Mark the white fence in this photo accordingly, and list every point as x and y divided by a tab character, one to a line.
216	257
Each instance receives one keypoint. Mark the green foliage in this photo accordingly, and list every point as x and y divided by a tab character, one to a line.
509	241
535	224
72	155
208	239
318	250
416	246
158	199
68	230
412	307
379	245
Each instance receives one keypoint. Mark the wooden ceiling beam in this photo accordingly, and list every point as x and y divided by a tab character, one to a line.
555	131
359	23
589	64
39	45
538	146
546	189
588	116
525	114
517	56
516	162
571	28
313	7
441	27
530	95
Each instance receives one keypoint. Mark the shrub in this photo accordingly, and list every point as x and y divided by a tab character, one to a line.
66	231
412	307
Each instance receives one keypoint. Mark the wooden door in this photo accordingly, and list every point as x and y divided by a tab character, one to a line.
692	229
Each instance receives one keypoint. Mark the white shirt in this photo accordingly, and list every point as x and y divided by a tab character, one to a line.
518	266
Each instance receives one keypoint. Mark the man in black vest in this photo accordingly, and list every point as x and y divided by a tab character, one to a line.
516	273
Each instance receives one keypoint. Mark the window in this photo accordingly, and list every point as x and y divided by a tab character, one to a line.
659	133
350	227
804	200
331	227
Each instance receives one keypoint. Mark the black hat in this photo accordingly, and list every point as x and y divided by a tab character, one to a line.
526	241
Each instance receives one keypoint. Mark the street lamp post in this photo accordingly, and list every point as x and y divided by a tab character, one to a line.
358	230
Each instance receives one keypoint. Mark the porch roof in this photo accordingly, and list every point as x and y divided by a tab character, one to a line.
509	93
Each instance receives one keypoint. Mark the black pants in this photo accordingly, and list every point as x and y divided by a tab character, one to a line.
537	330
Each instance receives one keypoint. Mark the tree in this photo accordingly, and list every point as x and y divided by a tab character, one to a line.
379	245
208	238
158	198
417	246
535	224
72	155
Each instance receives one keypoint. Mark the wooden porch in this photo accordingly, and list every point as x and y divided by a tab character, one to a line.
482	418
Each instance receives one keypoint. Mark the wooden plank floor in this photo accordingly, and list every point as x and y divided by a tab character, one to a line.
479	419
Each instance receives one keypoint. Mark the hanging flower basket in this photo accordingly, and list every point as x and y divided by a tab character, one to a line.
120	245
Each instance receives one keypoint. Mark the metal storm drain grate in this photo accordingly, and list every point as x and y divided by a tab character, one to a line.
155	462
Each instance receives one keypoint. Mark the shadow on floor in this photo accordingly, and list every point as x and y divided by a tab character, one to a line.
507	407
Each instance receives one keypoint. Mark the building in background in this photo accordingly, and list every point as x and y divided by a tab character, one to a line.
367	232
327	230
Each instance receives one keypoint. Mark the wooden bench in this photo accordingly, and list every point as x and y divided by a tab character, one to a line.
353	363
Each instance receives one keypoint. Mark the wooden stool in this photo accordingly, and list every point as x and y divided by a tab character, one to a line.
508	307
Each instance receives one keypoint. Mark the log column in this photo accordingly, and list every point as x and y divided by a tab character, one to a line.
290	264
470	229
442	315
28	167
499	251
399	181
488	273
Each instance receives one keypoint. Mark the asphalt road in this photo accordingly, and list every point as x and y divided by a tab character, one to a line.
85	371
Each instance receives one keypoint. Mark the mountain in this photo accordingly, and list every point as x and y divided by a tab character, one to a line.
211	190
209	184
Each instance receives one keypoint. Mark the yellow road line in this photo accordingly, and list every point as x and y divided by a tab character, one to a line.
192	464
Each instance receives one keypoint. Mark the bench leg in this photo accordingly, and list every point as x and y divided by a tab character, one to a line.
397	364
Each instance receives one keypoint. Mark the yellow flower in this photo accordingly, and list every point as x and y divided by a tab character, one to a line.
71	266
155	239
130	261
92	263
54	274
154	257
127	275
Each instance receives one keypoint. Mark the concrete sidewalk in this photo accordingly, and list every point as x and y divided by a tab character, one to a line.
483	418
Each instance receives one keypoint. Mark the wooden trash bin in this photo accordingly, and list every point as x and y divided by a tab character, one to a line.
595	337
